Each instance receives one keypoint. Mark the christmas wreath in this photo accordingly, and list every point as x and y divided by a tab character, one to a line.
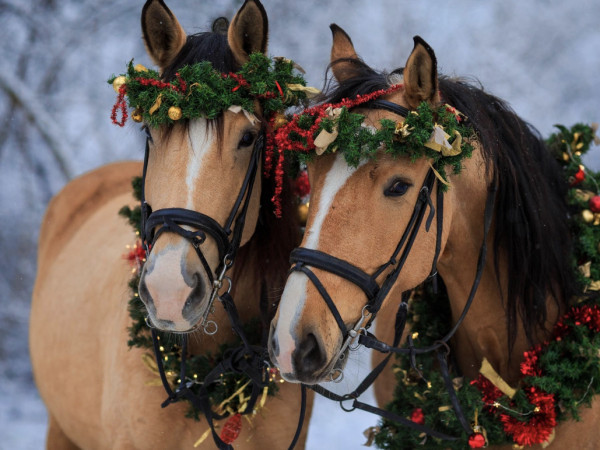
438	133
199	90
558	377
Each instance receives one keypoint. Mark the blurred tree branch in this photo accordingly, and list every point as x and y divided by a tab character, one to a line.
21	96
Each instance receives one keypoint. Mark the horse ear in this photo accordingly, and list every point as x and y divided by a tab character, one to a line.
342	52
420	75
163	35
249	31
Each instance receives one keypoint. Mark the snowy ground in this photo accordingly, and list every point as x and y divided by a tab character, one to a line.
542	56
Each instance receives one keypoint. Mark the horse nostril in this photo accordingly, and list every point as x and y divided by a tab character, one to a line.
273	342
194	299
309	357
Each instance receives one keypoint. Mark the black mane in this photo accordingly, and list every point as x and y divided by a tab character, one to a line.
268	250
207	46
531	229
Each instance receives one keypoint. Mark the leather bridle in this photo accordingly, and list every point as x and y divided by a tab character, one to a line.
227	237
302	258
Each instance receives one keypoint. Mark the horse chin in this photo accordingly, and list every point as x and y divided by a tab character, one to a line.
331	373
191	323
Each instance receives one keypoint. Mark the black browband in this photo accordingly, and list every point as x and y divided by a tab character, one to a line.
301	258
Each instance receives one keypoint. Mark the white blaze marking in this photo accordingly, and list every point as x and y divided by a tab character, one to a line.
201	139
166	285
336	178
294	294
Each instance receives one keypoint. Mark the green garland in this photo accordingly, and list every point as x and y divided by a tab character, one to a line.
439	134
198	366
200	90
558	377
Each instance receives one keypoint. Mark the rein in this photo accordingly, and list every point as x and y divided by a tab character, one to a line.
301	258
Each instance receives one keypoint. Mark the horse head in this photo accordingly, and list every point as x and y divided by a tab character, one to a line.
202	180
375	228
357	214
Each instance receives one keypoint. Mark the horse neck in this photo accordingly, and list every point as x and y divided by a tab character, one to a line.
483	333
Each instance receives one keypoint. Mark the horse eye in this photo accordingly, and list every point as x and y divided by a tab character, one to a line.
397	188
247	139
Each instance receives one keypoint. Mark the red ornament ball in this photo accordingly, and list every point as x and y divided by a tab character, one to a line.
595	204
417	416
578	177
476	440
232	428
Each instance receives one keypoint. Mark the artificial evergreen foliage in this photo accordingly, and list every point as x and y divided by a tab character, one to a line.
201	91
558	377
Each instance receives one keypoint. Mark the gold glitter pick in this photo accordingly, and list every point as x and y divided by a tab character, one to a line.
156	105
232	396
263	398
585	269
310	91
550	439
488	371
370	434
202	438
594	286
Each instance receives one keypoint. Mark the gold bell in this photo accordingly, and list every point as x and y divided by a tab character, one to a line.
136	115
303	213
118	82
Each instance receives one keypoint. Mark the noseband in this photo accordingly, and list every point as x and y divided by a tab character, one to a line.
227	239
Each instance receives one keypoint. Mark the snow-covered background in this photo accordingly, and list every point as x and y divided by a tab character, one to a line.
542	56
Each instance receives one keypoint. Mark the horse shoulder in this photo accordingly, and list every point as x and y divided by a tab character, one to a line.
79	199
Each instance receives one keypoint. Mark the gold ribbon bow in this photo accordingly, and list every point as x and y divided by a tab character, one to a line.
438	141
325	137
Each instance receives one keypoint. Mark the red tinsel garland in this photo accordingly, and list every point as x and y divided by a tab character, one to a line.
541	421
122	104
281	140
302	187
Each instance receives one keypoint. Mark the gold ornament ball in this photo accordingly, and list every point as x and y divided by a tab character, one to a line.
136	115
140	68
303	213
279	121
175	113
118	82
587	215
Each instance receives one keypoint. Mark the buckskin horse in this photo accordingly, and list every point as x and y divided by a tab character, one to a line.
199	188
378	227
